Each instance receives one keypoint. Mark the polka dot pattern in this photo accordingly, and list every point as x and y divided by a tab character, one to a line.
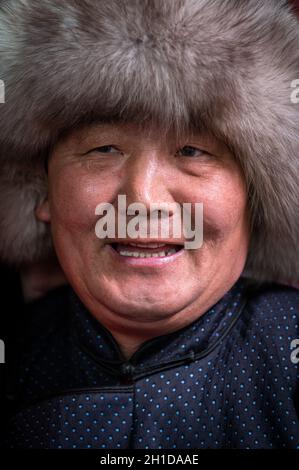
77	421
75	390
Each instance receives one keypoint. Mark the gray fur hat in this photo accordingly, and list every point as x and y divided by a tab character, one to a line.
227	66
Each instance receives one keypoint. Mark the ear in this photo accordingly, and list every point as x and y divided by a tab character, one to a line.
42	212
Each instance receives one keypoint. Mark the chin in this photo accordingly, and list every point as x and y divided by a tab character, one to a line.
147	306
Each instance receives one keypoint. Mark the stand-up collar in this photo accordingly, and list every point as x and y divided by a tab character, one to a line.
188	342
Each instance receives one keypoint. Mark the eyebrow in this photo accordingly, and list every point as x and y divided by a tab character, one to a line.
118	128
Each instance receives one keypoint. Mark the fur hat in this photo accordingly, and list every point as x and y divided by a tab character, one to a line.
222	65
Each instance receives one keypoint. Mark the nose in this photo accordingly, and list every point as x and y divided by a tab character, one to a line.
147	179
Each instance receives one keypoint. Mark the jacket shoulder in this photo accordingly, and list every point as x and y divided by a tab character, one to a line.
274	309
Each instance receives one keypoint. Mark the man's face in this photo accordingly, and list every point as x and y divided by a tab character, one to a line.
153	295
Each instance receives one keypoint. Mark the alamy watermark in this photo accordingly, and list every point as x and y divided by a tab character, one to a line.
2	352
2	92
186	218
295	351
295	92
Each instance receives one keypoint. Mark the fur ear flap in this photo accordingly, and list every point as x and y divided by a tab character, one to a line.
222	65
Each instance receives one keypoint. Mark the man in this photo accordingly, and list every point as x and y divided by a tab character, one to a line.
151	344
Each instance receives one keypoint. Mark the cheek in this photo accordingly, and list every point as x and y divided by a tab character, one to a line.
224	205
73	198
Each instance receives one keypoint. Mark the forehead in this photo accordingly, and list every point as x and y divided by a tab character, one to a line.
133	131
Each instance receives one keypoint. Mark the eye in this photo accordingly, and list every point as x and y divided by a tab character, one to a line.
189	151
106	150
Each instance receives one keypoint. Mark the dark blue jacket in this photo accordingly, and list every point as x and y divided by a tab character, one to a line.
225	381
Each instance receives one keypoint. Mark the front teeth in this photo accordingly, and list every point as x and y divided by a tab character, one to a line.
147	255
151	245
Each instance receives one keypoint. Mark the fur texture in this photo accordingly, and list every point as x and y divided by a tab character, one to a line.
222	65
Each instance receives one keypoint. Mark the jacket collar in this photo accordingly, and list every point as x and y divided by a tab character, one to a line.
185	344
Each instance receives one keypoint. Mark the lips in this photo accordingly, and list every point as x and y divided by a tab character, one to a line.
146	250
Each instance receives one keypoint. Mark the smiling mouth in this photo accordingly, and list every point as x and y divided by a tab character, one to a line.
149	250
